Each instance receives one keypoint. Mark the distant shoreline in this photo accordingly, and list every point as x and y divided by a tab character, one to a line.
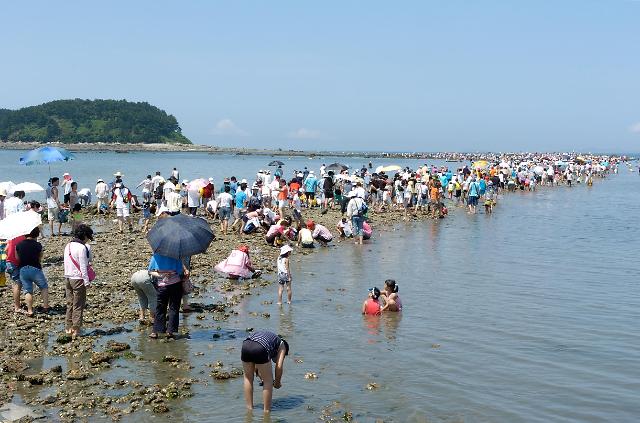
196	148
172	148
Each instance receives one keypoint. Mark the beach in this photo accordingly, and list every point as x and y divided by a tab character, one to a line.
116	372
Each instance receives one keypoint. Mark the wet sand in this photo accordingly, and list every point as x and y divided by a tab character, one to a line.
112	310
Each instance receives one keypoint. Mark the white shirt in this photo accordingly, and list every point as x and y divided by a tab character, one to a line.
168	189
156	180
101	190
193	198
174	201
146	185
225	199
120	193
13	205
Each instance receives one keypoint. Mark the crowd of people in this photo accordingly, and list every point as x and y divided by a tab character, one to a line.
271	206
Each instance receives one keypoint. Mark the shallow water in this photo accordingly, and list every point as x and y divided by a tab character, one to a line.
530	314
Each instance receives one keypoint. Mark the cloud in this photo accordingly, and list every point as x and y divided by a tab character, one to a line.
305	134
226	127
635	128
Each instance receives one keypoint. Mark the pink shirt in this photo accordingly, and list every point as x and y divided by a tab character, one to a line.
79	253
322	231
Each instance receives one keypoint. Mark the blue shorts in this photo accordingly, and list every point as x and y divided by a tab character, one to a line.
30	275
14	272
357	222
224	213
473	201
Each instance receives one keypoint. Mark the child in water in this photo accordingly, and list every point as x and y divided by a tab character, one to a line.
371	305
391	297
76	216
284	273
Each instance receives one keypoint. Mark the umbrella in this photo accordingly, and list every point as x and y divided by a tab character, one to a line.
276	163
6	186
538	170
390	168
336	167
46	155
27	187
480	164
197	184
20	223
180	236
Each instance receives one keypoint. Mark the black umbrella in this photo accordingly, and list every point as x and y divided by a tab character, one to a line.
336	167
276	163
180	236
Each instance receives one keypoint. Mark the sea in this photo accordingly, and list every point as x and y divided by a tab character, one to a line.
530	314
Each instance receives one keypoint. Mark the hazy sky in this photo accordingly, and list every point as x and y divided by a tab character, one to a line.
354	75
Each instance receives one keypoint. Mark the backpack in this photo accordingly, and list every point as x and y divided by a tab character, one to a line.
363	209
157	194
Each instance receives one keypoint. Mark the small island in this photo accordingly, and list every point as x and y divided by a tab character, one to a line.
91	121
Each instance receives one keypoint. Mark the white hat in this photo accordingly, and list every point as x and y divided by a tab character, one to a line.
311	173
162	209
299	174
285	249
100	180
210	179
3	192
118	173
185	181
352	194
65	174
244	181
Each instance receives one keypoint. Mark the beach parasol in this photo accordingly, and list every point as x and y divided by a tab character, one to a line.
180	236
20	223
197	184
336	167
276	163
386	169
46	155
27	187
6	186
480	164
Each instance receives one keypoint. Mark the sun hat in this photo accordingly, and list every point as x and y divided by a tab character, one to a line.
100	180
285	249
299	174
227	180
177	187
185	181
210	179
118	185
118	173
254	186
244	181
311	172
3	192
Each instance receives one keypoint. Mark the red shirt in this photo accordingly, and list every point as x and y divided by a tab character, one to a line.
12	257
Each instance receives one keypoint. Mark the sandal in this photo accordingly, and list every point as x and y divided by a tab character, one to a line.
153	335
170	335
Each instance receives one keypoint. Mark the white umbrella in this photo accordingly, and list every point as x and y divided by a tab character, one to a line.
20	223
6	186
27	187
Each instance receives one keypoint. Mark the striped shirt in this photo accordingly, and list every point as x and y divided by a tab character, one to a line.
269	340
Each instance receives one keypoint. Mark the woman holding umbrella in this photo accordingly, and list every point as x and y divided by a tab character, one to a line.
169	273
174	240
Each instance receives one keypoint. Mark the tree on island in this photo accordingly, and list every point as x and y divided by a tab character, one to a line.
91	121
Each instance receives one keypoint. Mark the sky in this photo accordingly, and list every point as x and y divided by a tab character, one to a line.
448	75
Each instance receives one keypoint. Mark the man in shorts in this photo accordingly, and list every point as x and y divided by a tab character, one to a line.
29	252
224	208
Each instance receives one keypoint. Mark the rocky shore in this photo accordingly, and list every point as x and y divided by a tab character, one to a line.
78	389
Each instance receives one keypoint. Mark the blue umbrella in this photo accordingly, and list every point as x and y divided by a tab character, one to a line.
46	155
180	236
